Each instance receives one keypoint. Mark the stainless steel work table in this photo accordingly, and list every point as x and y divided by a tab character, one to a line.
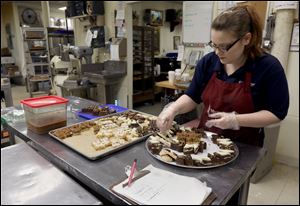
27	178
100	174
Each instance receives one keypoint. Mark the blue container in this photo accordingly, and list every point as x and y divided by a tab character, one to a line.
172	55
110	106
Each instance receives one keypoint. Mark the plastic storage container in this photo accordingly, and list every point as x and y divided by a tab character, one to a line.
45	113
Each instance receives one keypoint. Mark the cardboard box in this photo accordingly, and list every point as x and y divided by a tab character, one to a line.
5	52
4	134
12	69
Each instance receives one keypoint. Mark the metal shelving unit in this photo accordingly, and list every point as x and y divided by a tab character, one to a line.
143	63
37	59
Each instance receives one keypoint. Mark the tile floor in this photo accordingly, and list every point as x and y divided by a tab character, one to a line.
279	187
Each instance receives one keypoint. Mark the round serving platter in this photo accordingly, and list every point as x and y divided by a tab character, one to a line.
211	148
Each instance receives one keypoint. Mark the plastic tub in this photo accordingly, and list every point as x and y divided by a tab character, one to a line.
45	113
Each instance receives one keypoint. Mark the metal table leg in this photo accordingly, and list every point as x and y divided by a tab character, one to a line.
244	191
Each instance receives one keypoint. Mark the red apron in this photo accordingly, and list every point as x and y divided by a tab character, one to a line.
228	97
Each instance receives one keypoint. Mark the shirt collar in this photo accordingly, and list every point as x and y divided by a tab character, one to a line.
219	68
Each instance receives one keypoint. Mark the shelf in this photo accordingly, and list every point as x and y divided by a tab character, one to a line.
147	76
35	39
143	96
34	50
137	73
82	16
137	92
38	64
12	76
39	79
70	36
137	78
140	78
60	36
40	92
56	30
140	92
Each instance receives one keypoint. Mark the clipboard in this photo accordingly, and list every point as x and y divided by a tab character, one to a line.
133	180
207	201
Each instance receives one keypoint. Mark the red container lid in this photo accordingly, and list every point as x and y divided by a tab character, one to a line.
43	101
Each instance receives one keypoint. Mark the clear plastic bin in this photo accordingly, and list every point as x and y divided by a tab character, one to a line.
45	113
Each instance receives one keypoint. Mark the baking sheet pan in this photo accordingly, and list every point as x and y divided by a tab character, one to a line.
82	143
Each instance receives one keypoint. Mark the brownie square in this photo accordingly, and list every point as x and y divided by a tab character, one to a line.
177	146
180	160
188	160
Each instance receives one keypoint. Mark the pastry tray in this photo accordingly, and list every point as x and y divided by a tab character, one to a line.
209	143
82	143
91	116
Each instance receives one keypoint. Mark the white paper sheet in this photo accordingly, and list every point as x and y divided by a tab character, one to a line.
121	31
161	187
88	38
114	52
196	21
285	5
120	5
295	38
95	34
120	14
180	52
119	22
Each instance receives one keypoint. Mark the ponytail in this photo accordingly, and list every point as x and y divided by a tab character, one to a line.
241	20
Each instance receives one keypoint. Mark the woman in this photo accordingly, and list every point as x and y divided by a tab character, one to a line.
243	88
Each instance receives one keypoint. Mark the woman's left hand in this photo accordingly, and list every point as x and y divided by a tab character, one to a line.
223	120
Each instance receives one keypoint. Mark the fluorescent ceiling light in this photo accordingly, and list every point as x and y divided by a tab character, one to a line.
62	8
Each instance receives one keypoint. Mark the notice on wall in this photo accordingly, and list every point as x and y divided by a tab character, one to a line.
95	34
197	18
88	38
295	38
120	19
286	5
180	52
114	52
120	14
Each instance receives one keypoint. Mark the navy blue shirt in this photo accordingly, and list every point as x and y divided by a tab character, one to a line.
269	86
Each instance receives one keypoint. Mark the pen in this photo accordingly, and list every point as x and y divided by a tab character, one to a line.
138	176
131	172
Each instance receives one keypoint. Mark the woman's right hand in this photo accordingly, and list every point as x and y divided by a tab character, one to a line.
166	117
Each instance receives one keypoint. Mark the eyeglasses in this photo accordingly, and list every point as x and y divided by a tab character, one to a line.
224	48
